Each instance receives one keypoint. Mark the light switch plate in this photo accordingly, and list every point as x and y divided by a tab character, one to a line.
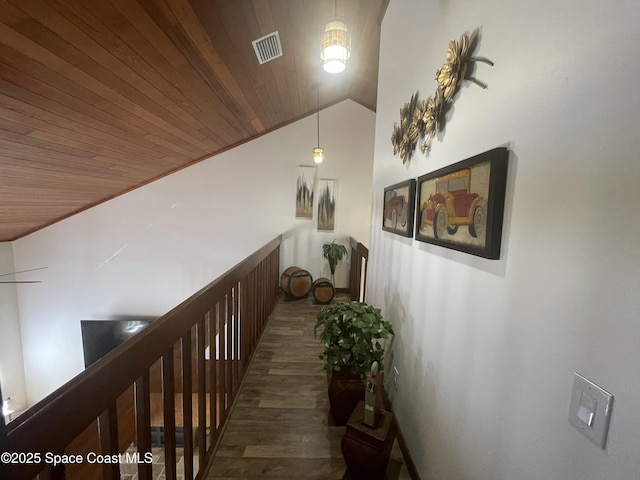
590	410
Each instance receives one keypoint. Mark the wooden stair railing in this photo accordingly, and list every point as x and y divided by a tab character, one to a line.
358	270
186	367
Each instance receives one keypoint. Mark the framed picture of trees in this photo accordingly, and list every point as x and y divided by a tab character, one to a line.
304	191
326	205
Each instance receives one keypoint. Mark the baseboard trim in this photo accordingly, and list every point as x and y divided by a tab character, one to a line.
402	443
406	456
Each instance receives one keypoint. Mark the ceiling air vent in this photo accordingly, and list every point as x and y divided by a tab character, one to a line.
268	47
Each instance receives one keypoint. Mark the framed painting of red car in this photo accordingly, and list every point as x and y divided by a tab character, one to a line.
399	208
461	206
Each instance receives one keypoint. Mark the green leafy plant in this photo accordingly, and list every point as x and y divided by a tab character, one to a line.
334	252
351	334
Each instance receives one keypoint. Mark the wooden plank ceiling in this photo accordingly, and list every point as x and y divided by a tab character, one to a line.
98	97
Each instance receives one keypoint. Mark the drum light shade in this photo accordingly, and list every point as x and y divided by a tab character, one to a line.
318	155
335	46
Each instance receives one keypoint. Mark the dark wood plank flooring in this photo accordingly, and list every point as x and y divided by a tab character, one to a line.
280	427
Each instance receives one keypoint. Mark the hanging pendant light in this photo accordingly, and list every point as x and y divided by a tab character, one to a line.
318	152
335	47
318	155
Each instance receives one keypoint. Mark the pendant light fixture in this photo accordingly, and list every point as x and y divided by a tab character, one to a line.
318	152
335	48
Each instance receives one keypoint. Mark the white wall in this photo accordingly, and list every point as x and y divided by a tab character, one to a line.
486	349
352	165
11	364
145	252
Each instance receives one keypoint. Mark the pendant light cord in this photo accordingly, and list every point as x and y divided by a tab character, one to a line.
318	114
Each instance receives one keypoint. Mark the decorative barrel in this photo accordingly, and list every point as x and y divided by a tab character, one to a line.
323	291
296	282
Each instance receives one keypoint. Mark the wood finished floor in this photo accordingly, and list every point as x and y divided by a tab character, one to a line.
280	427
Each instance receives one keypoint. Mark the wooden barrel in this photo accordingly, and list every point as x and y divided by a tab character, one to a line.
296	282
323	291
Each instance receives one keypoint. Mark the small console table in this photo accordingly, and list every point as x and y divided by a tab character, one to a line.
365	449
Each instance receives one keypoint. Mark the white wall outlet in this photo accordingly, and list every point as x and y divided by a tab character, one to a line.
396	378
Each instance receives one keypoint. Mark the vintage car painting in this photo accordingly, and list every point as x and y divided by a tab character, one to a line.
395	209
453	205
398	210
461	206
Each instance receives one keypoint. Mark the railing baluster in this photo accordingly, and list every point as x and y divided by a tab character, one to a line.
262	296
255	312
274	277
169	402
223	359
108	432
244	326
272	293
248	316
229	340
143	424
236	337
202	387
258	300
276	273
187	405
213	377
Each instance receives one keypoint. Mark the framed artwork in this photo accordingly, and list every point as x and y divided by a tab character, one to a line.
304	192
326	205
461	206
399	208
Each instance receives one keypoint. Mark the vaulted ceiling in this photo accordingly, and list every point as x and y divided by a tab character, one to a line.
98	97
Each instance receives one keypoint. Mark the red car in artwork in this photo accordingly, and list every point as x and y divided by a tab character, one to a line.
453	204
395	209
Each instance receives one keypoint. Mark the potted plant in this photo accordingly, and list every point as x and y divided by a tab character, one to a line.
333	252
351	334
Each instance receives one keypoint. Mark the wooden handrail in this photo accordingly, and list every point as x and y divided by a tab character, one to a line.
358	270
242	297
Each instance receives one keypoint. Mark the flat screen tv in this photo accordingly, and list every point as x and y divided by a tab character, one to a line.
99	337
